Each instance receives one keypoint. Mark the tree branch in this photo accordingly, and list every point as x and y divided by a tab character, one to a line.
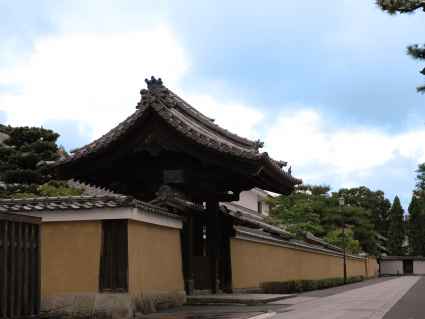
401	6
416	51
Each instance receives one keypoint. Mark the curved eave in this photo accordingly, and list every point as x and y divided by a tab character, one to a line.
285	183
182	118
273	177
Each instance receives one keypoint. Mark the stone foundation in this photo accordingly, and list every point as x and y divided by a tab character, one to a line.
109	305
152	302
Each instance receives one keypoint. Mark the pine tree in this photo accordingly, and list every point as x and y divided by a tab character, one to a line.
416	226
23	150
396	232
420	178
407	6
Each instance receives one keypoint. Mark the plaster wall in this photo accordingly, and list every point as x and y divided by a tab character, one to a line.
356	267
249	199
70	257
372	267
391	267
155	264
419	267
254	263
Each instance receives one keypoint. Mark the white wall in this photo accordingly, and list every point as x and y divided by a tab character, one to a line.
419	267
249	199
391	267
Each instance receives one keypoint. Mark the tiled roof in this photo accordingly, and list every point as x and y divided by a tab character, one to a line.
76	203
309	237
189	122
90	190
3	137
290	242
402	258
247	220
63	203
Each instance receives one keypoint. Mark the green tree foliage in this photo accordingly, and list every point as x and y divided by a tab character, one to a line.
373	202
314	209
345	238
302	210
420	179
407	6
416	226
22	152
396	232
416	218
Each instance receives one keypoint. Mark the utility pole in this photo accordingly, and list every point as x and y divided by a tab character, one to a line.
341	205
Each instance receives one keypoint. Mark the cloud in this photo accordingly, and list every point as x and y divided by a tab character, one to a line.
3	117
84	83
73	134
88	82
321	151
92	78
238	117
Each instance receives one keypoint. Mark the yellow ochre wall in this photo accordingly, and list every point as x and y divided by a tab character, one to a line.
254	263
356	267
155	263
70	257
372	267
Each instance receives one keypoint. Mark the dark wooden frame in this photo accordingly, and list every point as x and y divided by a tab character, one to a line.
20	266
408	267
110	278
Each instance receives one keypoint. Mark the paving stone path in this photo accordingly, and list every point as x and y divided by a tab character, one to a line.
371	299
370	302
411	305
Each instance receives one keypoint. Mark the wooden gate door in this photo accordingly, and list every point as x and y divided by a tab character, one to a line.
19	266
408	267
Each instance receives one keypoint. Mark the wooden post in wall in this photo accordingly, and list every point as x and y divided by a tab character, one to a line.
213	230
190	282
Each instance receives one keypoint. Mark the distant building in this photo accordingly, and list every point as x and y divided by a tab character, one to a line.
401	265
253	202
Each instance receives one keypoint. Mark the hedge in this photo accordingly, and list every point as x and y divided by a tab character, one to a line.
297	286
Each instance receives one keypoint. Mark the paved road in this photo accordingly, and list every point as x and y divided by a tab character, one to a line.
370	302
368	299
411	305
344	288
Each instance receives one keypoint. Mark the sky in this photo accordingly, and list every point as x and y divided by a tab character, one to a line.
327	85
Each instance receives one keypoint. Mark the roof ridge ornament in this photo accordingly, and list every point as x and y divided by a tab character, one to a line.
154	83
259	144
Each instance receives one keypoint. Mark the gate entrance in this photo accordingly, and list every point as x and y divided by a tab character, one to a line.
206	252
408	267
19	266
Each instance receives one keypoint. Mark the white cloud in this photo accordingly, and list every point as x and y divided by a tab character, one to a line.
320	151
94	79
90	77
237	117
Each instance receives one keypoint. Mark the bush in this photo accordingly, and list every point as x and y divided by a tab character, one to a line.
297	286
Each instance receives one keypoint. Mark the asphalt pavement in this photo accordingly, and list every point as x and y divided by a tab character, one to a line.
411	305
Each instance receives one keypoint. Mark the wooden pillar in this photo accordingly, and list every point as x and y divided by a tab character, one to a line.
190	282
213	231
226	227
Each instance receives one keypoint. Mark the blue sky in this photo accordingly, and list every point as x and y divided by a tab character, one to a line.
327	85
